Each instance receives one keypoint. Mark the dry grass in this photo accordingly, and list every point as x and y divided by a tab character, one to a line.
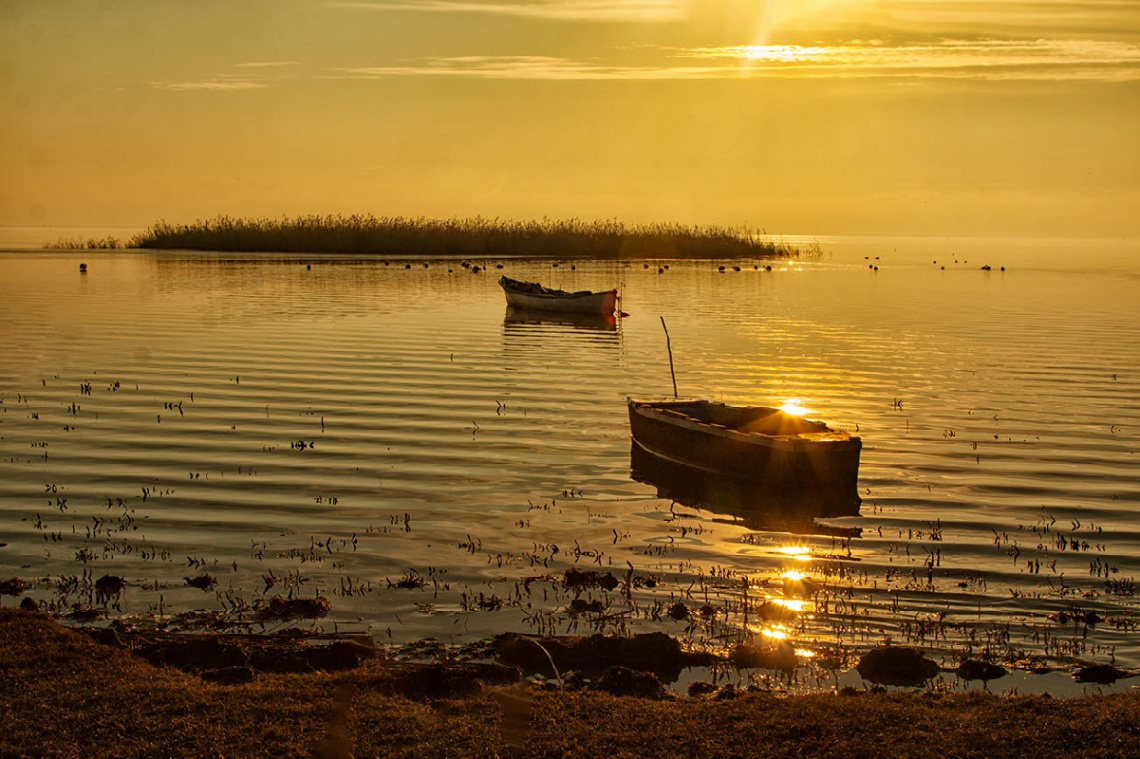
453	238
63	695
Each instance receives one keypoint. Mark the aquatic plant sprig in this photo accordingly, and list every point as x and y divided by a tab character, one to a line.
463	237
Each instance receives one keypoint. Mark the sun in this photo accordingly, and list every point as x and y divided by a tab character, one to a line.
792	407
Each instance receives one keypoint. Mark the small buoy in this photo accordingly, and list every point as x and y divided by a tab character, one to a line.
83	268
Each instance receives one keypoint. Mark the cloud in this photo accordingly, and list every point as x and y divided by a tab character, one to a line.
266	64
252	75
531	67
555	10
1104	15
983	59
987	59
232	86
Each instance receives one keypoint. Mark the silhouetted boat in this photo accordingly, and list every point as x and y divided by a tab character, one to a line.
533	296
590	321
756	453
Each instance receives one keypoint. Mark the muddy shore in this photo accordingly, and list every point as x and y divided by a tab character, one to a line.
64	693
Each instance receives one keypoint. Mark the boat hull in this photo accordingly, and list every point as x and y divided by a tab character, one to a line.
813	466
604	303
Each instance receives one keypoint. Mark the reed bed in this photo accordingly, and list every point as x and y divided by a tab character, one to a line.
91	243
462	238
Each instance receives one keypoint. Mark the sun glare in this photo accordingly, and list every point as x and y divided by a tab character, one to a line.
782	53
792	406
793	574
800	553
778	632
791	604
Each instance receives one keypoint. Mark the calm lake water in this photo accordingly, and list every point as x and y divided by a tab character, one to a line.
392	439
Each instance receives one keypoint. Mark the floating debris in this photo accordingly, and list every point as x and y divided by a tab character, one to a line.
280	609
580	579
202	582
14	587
108	587
578	606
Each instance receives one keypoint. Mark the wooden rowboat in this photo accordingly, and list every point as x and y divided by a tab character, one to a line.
753	449
533	296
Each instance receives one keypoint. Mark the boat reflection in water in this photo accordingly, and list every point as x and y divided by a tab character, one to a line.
747	502
586	321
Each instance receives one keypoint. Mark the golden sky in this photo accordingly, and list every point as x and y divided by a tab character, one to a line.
923	117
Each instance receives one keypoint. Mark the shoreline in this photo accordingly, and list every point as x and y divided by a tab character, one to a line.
64	694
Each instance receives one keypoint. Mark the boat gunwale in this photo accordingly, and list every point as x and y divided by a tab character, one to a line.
504	282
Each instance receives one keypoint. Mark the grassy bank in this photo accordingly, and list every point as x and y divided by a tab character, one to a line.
452	238
62	694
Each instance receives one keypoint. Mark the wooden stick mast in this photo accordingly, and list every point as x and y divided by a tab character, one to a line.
669	346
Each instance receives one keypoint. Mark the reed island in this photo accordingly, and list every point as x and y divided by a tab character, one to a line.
477	237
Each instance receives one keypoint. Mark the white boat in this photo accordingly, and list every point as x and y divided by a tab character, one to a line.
534	297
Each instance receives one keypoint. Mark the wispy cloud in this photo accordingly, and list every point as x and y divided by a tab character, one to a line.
984	59
251	75
557	10
220	85
1104	15
267	64
530	67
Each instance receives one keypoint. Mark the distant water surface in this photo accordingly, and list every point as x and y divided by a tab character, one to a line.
391	438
